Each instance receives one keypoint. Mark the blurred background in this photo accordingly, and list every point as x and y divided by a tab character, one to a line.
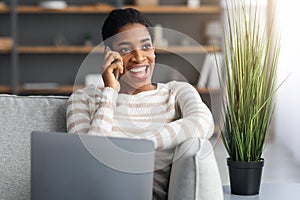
55	47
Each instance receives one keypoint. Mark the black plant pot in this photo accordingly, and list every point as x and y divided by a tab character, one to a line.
245	177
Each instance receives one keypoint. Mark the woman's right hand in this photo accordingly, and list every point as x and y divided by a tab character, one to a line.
112	66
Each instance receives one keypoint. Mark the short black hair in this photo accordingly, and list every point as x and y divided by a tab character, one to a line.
121	17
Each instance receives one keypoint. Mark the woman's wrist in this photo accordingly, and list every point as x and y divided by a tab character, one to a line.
114	84
109	94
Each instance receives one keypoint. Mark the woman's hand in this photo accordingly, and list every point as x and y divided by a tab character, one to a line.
113	67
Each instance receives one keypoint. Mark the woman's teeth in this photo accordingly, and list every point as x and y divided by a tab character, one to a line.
137	70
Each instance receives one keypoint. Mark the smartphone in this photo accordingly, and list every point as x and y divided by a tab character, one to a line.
116	71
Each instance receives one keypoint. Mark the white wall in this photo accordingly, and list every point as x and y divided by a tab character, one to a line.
287	115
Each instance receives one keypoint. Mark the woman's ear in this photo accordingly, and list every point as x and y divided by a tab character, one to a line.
153	50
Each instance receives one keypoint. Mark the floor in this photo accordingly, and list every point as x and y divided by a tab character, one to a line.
280	167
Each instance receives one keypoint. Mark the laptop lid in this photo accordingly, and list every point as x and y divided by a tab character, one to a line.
71	166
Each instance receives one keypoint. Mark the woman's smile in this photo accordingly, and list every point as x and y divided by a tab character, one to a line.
139	72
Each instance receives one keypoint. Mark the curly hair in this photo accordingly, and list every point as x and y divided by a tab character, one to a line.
121	17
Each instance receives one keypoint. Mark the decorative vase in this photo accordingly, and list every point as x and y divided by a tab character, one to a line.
193	3
146	2
245	177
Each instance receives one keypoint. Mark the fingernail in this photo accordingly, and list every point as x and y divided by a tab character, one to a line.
107	48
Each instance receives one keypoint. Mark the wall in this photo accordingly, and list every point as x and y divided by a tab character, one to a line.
287	118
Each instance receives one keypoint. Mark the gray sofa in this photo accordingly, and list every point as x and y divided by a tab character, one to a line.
194	175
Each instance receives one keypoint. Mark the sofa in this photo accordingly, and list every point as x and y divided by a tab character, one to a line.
194	175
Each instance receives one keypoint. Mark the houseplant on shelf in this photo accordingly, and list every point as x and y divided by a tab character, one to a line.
248	87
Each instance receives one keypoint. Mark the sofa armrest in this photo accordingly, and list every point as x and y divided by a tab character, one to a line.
194	173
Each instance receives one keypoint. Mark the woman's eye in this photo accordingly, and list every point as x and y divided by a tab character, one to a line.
147	46
124	50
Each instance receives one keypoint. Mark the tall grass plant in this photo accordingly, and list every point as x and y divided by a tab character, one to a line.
248	83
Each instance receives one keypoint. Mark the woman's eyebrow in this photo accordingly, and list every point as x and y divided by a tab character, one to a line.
145	40
123	43
128	43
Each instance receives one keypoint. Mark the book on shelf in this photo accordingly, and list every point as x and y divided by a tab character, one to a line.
40	86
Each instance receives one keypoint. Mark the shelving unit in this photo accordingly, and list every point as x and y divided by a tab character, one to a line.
5	48
25	49
87	49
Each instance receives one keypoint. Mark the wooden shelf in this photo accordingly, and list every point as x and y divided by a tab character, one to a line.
58	50
187	49
4	9
68	89
70	9
206	90
5	51
6	44
64	89
5	89
177	9
87	49
107	8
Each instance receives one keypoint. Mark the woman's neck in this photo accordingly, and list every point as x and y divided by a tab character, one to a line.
127	89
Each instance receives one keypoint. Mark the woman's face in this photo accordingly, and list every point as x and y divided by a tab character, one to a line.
135	46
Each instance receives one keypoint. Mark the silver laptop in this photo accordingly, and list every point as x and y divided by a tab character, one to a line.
71	166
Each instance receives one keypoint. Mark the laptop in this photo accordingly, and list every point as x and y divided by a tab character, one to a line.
72	166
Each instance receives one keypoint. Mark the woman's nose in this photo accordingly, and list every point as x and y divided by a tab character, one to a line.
138	55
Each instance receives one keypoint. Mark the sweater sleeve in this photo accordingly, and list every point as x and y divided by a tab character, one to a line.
82	106
196	120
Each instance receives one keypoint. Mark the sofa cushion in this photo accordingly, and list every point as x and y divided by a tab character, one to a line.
195	174
19	116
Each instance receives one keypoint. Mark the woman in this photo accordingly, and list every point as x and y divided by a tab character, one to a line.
130	105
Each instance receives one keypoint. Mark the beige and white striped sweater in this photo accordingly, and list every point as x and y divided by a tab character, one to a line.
168	116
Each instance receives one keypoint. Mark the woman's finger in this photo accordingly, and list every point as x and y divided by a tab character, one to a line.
112	58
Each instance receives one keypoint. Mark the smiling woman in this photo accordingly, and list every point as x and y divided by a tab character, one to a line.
130	105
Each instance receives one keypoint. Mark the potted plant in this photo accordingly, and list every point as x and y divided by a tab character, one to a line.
248	87
88	39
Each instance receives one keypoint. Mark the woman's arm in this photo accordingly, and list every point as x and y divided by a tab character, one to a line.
86	115
196	121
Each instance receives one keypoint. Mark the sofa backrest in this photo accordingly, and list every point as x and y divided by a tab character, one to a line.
19	116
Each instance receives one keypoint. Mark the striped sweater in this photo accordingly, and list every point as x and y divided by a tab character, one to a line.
168	116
